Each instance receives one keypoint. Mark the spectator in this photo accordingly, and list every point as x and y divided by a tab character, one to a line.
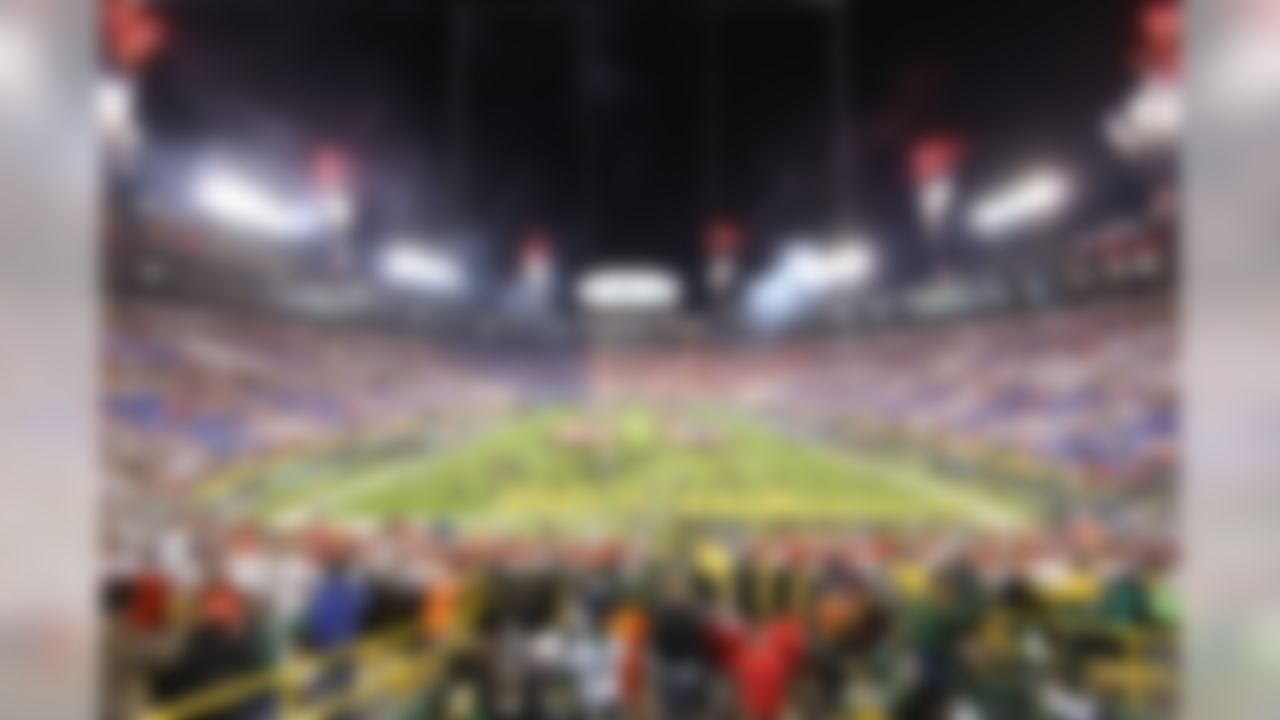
595	660
681	660
219	647
335	608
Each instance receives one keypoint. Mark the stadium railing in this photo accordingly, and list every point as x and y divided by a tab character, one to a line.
398	666
386	667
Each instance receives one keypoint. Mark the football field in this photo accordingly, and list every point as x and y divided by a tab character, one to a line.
629	471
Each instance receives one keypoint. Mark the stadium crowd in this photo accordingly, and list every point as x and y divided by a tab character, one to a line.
835	623
189	392
816	623
1089	390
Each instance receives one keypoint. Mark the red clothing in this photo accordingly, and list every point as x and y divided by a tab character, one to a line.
726	640
787	635
221	604
762	665
149	602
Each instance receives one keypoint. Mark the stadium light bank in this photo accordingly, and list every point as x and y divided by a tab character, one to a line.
414	265
847	263
636	288
239	201
1150	121
1035	197
851	263
807	273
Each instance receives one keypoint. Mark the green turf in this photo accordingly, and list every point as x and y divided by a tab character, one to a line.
522	475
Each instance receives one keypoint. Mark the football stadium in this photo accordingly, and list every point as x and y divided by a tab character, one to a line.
544	360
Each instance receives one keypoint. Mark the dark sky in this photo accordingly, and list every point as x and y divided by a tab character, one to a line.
622	127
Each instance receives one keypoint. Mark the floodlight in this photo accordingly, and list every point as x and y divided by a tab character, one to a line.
629	288
1033	198
415	265
240	201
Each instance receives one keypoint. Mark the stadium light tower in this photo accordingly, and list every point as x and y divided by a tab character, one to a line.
1032	199
932	163
536	262
723	245
331	178
414	265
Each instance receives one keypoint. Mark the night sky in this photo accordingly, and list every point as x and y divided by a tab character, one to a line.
623	127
